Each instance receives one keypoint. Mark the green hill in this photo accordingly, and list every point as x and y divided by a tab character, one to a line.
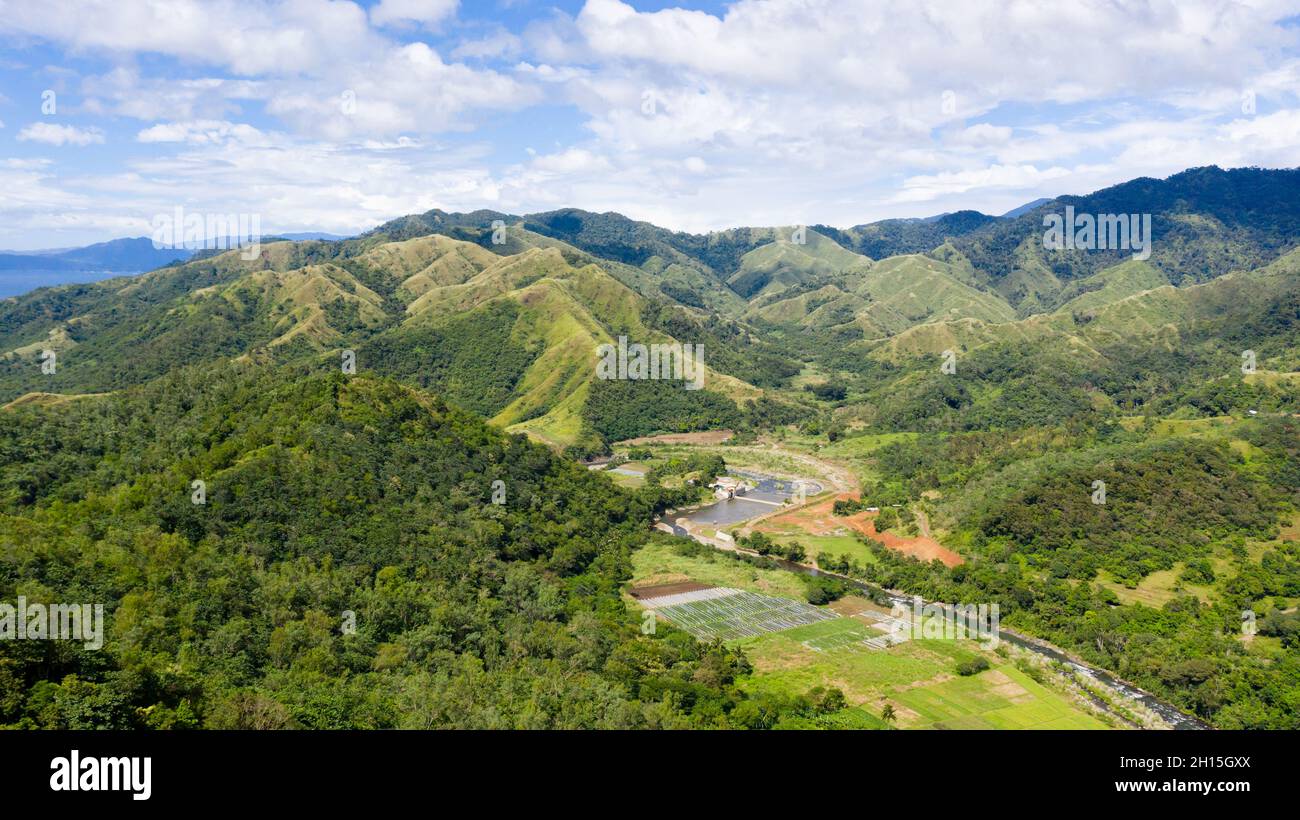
348	567
784	263
1110	285
897	237
911	290
1206	222
423	308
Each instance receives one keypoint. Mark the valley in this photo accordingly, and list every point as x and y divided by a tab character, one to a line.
851	653
1104	447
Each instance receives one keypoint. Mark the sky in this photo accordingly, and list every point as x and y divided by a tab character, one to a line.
335	116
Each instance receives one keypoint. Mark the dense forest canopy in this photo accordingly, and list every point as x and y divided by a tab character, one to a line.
329	497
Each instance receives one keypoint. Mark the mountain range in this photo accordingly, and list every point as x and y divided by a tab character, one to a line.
501	313
24	271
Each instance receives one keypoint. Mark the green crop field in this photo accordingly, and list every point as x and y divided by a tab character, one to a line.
918	677
838	635
1001	698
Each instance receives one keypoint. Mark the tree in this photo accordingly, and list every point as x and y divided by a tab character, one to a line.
826	700
887	714
760	543
886	519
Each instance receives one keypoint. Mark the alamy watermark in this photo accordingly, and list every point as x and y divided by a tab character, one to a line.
1099	492
53	622
197	231
75	773
947	621
1104	232
676	361
1247	362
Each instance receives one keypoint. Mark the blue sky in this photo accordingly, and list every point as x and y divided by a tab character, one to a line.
335	116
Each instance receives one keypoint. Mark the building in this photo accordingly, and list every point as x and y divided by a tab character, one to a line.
728	487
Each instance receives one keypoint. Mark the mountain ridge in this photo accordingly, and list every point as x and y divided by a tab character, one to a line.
566	281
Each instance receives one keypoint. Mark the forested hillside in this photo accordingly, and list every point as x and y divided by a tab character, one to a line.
330	498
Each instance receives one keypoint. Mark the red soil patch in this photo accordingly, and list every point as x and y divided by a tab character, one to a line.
819	519
814	519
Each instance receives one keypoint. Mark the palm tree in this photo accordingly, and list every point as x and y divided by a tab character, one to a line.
887	714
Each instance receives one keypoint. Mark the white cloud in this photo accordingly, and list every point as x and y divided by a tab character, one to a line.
1019	177
198	132
574	160
298	57
36	205
124	92
429	12
52	134
410	90
294	185
248	37
25	164
771	112
839	110
982	135
498	44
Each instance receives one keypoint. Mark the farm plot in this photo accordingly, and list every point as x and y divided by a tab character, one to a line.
850	634
726	614
1002	698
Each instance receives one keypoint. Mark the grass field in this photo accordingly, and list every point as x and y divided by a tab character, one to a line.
1001	698
856	450
1158	588
852	446
917	677
835	545
1195	428
659	563
624	480
740	457
784	662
